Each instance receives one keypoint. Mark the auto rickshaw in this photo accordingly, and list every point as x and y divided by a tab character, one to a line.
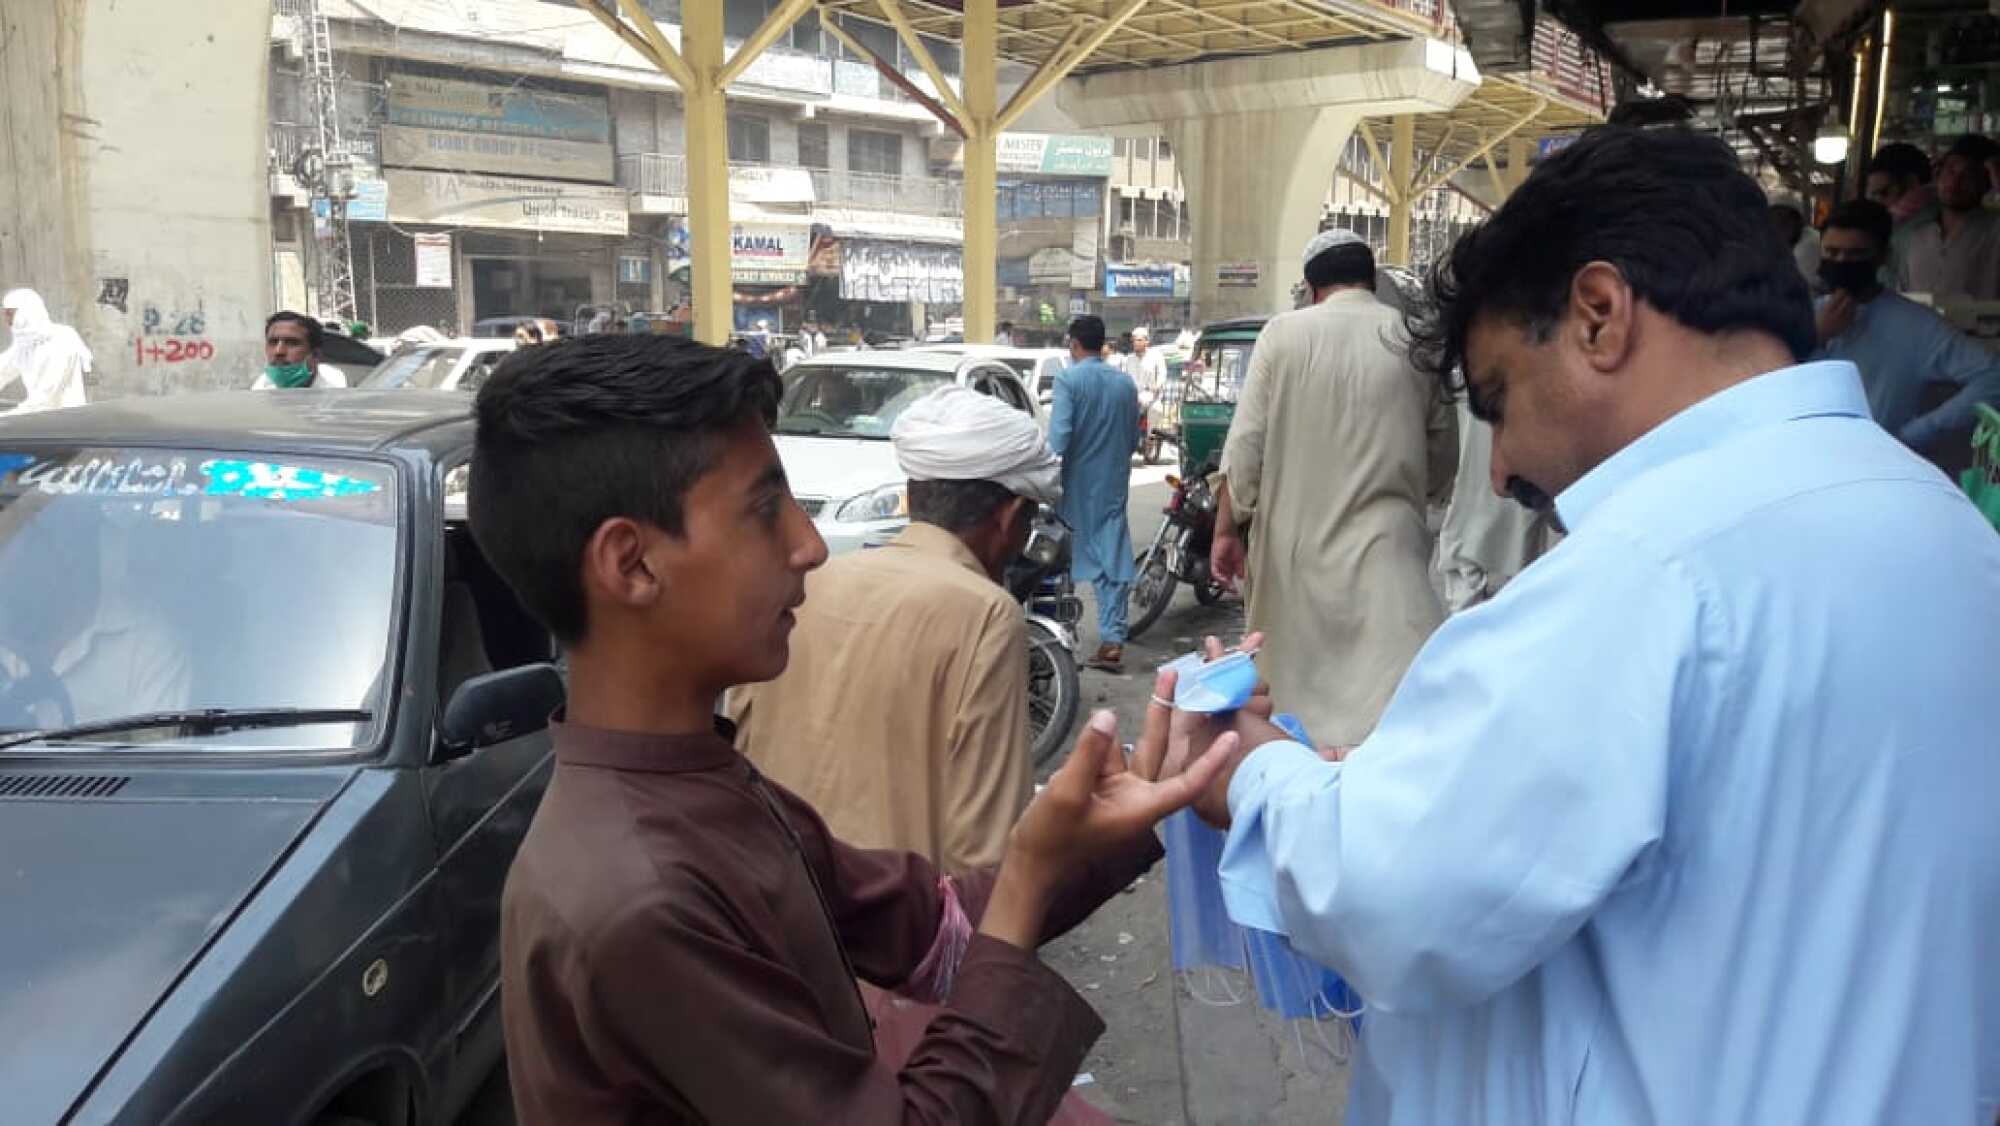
1202	400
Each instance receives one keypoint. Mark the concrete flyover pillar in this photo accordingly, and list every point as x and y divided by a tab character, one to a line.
1257	140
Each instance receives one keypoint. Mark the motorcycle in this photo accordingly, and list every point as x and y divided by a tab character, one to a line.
1178	554
1040	581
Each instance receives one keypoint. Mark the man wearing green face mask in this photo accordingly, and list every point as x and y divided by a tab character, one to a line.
1900	346
291	355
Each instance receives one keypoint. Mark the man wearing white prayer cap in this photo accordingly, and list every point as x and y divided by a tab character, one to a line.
1335	447
903	716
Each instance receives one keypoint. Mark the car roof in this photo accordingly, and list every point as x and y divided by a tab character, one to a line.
470	343
330	421
884	359
987	351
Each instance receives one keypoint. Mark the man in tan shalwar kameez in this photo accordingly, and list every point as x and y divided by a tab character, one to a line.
1335	447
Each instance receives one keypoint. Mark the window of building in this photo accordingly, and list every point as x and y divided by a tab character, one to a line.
804	35
1166	149
879	154
1142	149
813	145
944	54
876	37
664	11
742	18
1121	147
1125	209
749	139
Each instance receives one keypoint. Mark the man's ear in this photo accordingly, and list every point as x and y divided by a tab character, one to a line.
615	563
1602	311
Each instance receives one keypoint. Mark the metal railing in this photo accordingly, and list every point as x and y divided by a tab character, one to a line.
652	173
665	174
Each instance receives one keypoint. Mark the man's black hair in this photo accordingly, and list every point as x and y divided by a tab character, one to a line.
1974	147
1350	263
1866	216
956	506
1006	326
315	331
1670	208
579	431
1088	331
1901	160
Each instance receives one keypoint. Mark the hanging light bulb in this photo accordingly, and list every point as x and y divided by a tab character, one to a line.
1830	145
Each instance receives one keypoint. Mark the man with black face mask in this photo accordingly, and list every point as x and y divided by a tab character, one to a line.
1899	345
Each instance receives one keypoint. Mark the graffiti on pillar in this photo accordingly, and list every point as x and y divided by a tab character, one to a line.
112	292
171	336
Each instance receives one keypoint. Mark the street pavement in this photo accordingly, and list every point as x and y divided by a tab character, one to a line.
1168	1058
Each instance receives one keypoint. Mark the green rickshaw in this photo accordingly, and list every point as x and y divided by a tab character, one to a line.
1204	397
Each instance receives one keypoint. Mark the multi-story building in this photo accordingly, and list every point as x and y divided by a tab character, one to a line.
512	157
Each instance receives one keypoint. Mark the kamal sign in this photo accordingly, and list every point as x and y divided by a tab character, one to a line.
769	253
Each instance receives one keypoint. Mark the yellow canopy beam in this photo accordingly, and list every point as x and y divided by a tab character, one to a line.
980	258
675	70
1402	159
1395	190
777	23
894	12
1063	50
1486	146
1048	76
669	59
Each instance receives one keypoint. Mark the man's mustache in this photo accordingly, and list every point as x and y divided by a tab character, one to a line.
1530	496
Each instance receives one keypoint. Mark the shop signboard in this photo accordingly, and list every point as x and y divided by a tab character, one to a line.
411	146
825	260
1152	282
897	271
1049	266
1079	306
433	260
505	203
757	183
371	201
635	269
769	253
477	107
1239	275
1054	154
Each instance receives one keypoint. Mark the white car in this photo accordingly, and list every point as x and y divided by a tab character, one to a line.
448	365
833	431
1037	367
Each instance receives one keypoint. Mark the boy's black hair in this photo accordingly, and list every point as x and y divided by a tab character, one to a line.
1866	216
1670	208
579	431
315	331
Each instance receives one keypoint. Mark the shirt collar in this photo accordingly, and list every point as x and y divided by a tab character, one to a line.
634	750
1802	391
931	540
1348	295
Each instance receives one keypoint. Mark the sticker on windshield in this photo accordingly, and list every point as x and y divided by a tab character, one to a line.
175	477
262	480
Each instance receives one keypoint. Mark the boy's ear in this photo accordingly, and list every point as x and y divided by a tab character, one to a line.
615	563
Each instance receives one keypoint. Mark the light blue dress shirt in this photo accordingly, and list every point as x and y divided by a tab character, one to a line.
1900	346
1698	822
1094	427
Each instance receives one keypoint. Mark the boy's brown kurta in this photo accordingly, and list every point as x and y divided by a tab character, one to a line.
673	952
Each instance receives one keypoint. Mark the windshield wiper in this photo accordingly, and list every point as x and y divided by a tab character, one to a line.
207	721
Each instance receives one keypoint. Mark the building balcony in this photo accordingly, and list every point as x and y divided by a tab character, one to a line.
663	176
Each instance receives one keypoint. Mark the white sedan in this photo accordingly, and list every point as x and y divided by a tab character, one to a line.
1037	367
833	431
448	365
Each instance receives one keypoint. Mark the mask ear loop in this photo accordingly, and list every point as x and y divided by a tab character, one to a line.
1215	978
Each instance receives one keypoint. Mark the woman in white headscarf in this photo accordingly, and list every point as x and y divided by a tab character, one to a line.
50	359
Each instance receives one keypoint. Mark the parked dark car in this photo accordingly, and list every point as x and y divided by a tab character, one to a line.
271	731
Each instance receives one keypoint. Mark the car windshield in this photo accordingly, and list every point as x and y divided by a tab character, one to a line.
855	402
149	580
1216	373
421	368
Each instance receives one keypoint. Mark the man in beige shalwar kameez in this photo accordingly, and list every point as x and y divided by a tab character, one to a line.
1487	539
1336	445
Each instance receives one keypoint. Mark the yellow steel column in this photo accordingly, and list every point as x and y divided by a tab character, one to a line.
982	266
708	172
1402	163
1520	155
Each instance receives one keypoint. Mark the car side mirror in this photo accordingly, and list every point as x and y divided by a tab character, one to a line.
498	706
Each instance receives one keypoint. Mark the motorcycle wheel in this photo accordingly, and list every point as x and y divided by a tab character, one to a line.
1053	692
1152	592
1208	594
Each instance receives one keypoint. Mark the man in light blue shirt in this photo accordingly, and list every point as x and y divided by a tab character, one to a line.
1694	822
1900	346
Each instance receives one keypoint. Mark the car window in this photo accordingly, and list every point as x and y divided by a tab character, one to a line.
1217	371
479	368
1012	393
850	402
223	580
421	368
482	626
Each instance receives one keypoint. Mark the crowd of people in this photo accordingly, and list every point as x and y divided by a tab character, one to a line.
1683	815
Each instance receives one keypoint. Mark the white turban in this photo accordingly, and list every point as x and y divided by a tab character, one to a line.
1328	239
958	434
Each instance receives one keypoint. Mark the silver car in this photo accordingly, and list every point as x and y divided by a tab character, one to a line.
833	431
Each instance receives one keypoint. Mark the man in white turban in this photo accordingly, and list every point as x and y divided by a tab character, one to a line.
903	716
49	359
